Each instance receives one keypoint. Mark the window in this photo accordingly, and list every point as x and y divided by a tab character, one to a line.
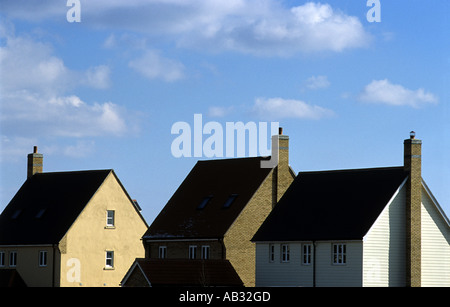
306	256
284	252
16	214
339	254
162	252
13	259
271	252
110	218
2	259
192	252
204	202
205	252
42	258
109	263
40	213
229	201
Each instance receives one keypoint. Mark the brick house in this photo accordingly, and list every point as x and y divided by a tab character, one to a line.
215	212
75	229
361	227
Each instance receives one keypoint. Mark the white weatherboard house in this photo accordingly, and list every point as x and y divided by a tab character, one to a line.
363	227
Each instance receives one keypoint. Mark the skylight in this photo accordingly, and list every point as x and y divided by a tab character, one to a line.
16	214
204	202
229	201
40	213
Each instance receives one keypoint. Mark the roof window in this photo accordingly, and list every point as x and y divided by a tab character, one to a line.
40	213
229	201
204	202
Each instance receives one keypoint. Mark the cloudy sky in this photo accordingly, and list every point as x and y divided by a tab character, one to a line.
105	92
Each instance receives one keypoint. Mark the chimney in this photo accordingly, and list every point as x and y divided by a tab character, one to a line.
35	162
412	164
284	178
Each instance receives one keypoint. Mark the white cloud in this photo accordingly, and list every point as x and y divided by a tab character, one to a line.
264	27
35	91
215	111
154	66
385	92
277	108
98	77
317	82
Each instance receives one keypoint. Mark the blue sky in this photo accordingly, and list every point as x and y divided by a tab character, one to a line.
104	92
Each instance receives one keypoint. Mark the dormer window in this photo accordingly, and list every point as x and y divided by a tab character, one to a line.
110	218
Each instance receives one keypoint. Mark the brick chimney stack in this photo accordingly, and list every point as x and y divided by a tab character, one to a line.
35	162
413	165
284	178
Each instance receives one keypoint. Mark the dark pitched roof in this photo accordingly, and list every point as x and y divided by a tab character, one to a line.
331	205
46	206
183	217
11	278
185	272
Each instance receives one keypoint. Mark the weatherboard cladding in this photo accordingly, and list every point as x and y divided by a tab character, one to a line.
47	205
220	179
331	205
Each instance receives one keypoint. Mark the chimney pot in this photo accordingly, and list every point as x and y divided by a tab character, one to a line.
280	130
412	135
35	149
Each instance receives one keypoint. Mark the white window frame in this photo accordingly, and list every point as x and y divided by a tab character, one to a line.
2	259
271	252
110	220
306	253
205	252
192	251
162	252
43	258
12	259
339	253
285	253
109	259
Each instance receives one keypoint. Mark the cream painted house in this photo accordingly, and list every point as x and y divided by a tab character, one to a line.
70	228
362	227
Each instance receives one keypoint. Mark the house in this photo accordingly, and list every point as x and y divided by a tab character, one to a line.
361	227
76	228
182	273
216	211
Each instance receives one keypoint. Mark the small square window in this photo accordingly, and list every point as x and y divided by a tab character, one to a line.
271	252
339	254
13	259
110	214
162	252
306	254
205	252
42	258
285	253
109	259
192	252
2	259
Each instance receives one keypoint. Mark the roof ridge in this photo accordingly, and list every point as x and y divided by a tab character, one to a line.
353	170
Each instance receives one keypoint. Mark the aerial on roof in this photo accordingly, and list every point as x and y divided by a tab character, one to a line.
209	199
46	206
331	205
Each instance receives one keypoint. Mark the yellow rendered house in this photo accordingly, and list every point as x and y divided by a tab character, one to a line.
65	229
